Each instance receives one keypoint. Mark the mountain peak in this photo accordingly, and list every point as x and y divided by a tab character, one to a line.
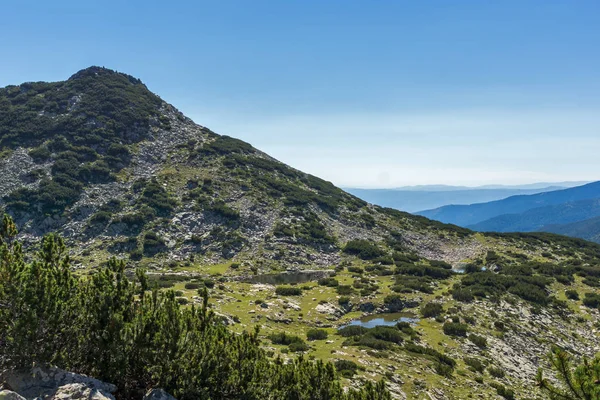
96	71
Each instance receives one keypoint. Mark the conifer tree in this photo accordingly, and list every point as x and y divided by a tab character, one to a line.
575	383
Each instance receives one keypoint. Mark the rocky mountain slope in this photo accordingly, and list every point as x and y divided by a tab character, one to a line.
116	170
119	172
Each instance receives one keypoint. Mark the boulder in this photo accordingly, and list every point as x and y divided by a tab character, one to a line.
79	391
330	309
55	383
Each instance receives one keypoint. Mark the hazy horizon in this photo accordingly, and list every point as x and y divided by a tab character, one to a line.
444	187
363	95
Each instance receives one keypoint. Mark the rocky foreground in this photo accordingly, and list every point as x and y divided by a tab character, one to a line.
57	384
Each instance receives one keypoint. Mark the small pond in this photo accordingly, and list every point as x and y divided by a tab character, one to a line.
390	319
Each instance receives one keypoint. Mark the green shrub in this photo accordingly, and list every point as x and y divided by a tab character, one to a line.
226	145
423	271
288	291
352	330
478	341
503	391
40	153
463	295
363	249
153	244
223	210
443	369
209	283
344	300
394	302
344	290
572	294
101	217
455	329
316	334
435	355
496	372
136	254
298	346
591	300
408	284
157	198
294	343
355	269
516	280
369	341
431	310
284	339
331	282
393	298
192	285
346	368
591	281
386	333
475	364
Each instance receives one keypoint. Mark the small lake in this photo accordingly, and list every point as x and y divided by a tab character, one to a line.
390	319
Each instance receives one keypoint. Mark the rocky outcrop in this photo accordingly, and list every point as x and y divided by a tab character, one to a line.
334	313
79	391
57	384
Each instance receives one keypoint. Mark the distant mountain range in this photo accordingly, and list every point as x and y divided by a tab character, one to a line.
571	211
417	198
588	229
538	218
465	215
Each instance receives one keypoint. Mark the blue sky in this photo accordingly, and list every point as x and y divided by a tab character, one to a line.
367	94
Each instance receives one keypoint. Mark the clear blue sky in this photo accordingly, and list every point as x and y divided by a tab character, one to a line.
362	93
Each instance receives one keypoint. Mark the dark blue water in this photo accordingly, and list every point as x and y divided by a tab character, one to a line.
383	320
